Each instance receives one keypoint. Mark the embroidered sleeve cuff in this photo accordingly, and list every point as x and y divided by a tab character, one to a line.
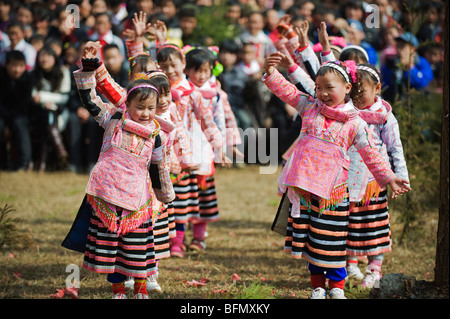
84	80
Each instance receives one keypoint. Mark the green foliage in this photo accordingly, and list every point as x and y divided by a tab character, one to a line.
213	27
10	236
257	290
420	129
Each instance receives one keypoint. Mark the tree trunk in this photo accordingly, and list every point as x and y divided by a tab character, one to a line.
442	246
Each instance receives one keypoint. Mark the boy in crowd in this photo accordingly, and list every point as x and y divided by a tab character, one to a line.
15	101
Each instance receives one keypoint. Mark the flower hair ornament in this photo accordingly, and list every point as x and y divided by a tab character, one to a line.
346	68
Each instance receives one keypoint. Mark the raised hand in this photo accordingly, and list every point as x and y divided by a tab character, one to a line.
161	31
140	24
272	61
302	31
323	37
91	49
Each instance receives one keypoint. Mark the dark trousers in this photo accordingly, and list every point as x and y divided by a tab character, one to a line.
20	133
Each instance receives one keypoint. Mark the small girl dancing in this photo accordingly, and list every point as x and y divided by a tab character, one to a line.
199	66
369	231
120	239
205	138
315	177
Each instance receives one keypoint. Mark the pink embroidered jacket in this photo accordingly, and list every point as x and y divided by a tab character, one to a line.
217	100
179	151
121	176
340	127
199	122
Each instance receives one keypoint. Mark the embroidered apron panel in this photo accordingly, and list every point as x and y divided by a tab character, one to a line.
120	178
314	166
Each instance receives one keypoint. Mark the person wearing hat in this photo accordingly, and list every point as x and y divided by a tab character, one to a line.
406	66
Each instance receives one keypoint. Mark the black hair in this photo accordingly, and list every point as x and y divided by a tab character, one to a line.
15	55
197	57
13	24
141	61
161	82
325	70
54	76
166	51
143	92
188	11
110	46
230	46
105	13
353	54
361	77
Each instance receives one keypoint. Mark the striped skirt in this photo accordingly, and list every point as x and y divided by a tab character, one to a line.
207	199
131	254
186	204
163	230
320	238
369	232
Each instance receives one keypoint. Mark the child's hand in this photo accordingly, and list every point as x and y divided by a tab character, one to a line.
302	32
237	154
271	61
90	49
161	31
140	24
323	37
399	186
129	34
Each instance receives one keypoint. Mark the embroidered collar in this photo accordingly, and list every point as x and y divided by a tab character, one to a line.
207	90
146	131
339	113
377	113
182	88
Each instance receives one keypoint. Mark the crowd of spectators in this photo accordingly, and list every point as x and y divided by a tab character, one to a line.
43	126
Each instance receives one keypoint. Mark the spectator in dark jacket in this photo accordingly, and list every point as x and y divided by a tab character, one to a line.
15	100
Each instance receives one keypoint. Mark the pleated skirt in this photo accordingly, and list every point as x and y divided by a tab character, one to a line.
207	199
369	232
186	203
131	254
320	238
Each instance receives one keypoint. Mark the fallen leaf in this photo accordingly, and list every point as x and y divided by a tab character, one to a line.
235	277
71	292
58	294
195	283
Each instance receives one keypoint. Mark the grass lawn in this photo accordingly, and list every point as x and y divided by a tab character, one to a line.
244	258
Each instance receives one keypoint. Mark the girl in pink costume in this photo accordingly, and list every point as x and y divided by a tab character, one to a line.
315	176
199	66
120	241
369	231
205	136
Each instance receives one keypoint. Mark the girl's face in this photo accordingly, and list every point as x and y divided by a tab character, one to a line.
367	94
142	111
165	98
173	67
331	89
200	76
46	61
